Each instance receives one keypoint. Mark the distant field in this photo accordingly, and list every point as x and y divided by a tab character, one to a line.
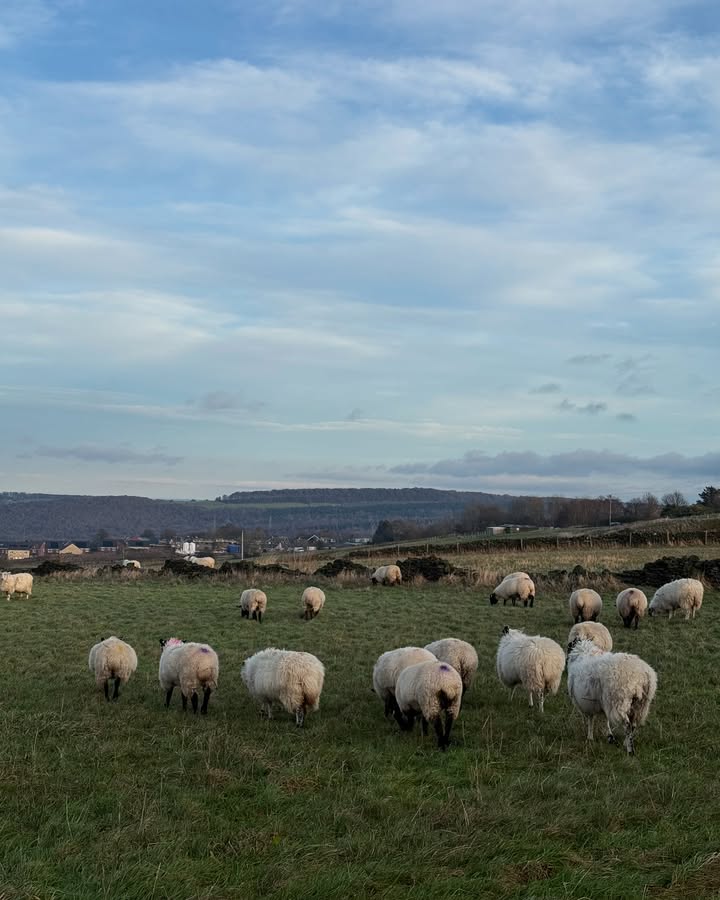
133	802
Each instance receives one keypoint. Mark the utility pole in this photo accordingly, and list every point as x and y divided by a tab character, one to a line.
610	509
242	545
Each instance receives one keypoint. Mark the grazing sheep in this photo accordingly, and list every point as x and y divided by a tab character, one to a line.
131	563
191	666
517	586
387	575
592	631
253	603
429	689
585	605
206	561
632	605
535	662
20	583
619	685
685	594
112	658
289	677
388	667
313	600
461	656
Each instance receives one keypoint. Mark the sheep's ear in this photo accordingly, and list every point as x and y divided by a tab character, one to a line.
163	641
506	630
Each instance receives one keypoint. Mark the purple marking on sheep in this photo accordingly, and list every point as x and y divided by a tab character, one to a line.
204	649
444	667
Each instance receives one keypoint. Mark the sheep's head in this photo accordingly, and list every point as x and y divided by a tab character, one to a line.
493	598
572	645
506	630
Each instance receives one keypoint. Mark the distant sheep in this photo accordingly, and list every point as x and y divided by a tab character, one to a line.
206	561
619	685
112	658
253	603
387	575
430	689
313	600
517	587
685	594
585	605
632	604
131	563
387	669
20	583
291	678
535	662
592	631
193	667
461	656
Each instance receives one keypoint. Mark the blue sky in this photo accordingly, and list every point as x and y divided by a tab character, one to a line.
464	245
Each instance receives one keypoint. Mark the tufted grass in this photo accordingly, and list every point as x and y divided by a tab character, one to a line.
134	802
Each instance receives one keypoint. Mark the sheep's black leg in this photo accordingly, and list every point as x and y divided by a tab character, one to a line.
406	724
449	719
206	700
184	701
525	604
194	701
532	600
424	723
388	706
439	733
637	621
594	617
300	716
116	692
169	695
504	600
259	617
105	688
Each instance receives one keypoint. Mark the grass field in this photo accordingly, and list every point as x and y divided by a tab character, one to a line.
131	801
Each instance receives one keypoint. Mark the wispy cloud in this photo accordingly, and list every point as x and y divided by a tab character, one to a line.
585	409
111	455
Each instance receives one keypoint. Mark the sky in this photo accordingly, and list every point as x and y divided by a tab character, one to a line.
291	243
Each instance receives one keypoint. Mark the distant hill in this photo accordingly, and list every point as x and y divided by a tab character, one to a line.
31	517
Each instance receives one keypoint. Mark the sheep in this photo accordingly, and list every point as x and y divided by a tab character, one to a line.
429	689
535	662
386	670
461	656
206	561
313	600
387	575
585	605
619	685
515	586
131	563
20	583
592	631
289	677
253	603
684	593
631	605
112	658
191	666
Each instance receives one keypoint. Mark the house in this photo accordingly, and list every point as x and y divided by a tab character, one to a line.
75	549
16	551
495	529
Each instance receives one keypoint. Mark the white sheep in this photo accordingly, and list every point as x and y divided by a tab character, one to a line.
253	603
684	593
387	575
193	667
461	656
430	689
131	563
585	605
592	631
619	685
206	561
631	604
289	677
535	662
517	586
313	600
19	583
112	658
388	667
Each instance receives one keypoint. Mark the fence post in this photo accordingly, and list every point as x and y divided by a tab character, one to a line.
706	538
630	540
557	542
521	544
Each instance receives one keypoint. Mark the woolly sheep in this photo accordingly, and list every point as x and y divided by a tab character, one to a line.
291	678
388	667
461	656
387	575
685	594
206	561
313	600
131	563
592	631
253	603
429	689
632	605
585	605
517	586
619	685
535	662
112	658
20	583
190	665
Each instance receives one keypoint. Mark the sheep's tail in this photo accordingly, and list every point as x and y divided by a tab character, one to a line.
640	703
311	700
207	675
